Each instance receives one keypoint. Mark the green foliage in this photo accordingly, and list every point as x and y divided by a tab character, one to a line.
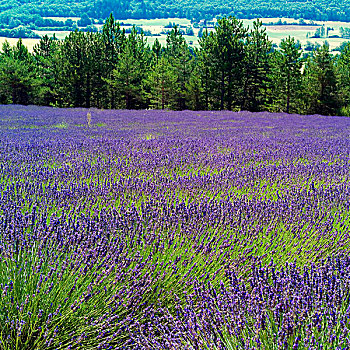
311	46
321	83
343	78
286	77
345	111
130	71
113	42
195	88
81	70
84	21
18	32
180	57
46	58
225	60
16	74
234	68
17	13
157	50
161	84
256	68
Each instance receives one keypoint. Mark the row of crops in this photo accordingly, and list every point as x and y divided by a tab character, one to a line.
173	230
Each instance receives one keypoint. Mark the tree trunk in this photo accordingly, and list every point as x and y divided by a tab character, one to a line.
229	93
222	91
206	89
88	91
163	97
127	94
288	91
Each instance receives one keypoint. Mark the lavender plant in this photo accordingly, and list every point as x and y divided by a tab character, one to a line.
173	230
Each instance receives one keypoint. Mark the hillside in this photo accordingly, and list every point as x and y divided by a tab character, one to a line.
33	13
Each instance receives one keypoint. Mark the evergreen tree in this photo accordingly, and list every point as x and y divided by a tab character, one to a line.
232	69
205	70
321	83
180	57
195	87
162	85
114	39
96	67
16	74
21	53
286	76
45	56
130	72
256	68
226	61
343	79
72	69
157	50
7	49
81	69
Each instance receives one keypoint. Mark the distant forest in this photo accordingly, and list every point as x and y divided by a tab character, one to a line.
14	13
233	69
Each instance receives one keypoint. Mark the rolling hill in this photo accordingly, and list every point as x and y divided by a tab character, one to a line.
33	13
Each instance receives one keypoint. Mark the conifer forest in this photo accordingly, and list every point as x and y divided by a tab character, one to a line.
234	68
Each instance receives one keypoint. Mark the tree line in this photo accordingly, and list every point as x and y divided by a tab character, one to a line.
234	68
30	13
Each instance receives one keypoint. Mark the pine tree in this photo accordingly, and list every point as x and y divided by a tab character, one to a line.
114	39
225	59
157	50
20	52
180	57
343	79
321	83
195	88
286	77
161	83
256	68
205	70
81	69
45	56
16	74
130	71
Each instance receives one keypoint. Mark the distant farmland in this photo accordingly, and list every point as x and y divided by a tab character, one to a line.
156	26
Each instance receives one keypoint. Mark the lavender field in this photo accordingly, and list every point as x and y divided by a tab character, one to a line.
173	230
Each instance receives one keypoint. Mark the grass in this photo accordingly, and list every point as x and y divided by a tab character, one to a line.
62	125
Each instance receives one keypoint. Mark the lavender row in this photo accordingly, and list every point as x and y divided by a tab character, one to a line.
156	230
272	309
